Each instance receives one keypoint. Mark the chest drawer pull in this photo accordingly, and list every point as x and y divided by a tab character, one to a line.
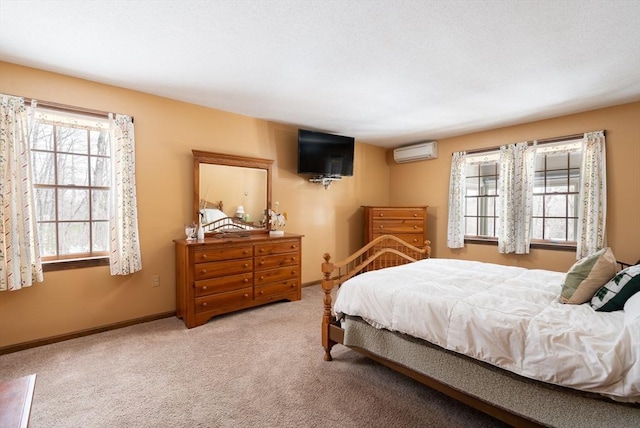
204	256
293	247
381	227
381	215
245	295
204	303
246	280
246	265
203	271
415	227
204	288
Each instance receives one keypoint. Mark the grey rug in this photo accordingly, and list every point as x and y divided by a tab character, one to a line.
262	367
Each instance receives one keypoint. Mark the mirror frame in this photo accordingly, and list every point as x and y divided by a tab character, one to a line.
211	158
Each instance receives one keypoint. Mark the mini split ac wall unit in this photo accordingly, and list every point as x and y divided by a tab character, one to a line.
416	152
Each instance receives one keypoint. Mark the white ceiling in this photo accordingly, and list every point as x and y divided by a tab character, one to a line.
386	72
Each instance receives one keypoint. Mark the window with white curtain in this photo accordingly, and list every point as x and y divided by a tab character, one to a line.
71	160
556	194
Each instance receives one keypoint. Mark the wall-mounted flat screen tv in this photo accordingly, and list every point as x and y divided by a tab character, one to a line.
326	155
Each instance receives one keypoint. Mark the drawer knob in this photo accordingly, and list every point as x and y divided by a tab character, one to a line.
261	278
261	292
381	215
204	256
415	215
293	259
293	272
245	252
246	265
415	227
203	271
293	246
245	295
262	250
246	280
204	303
293	285
261	262
204	288
381	227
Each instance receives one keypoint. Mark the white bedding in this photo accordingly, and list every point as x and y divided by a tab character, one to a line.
506	316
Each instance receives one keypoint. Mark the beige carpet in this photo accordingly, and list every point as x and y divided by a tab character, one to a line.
262	367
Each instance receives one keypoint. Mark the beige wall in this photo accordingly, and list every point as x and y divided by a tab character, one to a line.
427	182
331	220
166	131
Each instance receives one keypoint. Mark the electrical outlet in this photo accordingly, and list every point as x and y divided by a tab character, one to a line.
155	281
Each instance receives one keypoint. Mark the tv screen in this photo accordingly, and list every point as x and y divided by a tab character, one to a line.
324	154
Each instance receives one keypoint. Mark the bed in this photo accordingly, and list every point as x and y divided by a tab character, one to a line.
483	320
214	220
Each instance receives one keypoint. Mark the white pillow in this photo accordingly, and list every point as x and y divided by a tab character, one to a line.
632	309
213	214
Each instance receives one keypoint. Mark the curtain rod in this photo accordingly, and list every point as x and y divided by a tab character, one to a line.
69	108
543	141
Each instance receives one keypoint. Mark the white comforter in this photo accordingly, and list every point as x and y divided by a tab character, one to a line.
507	316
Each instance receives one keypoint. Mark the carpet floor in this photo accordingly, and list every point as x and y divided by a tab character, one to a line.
261	367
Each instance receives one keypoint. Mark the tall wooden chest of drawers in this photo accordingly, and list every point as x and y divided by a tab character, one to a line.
221	275
406	223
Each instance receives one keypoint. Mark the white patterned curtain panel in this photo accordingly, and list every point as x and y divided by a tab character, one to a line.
457	181
515	184
592	215
20	264
124	256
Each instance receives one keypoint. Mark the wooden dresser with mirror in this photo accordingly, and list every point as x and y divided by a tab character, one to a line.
238	264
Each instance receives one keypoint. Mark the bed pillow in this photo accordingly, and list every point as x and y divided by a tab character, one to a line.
587	275
615	293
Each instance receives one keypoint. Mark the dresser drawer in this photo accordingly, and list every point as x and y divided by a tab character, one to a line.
417	213
210	254
269	262
415	239
229	267
381	227
267	292
215	301
223	284
276	248
274	275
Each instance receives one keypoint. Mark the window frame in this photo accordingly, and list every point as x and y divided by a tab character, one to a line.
78	119
568	144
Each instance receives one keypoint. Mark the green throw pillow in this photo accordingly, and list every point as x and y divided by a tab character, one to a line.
587	275
613	295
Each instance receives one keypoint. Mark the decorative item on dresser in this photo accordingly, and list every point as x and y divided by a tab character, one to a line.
406	223
221	275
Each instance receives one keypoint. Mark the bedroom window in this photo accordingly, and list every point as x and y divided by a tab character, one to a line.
71	159
555	199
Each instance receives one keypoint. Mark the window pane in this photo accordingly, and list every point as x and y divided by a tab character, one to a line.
537	205
100	205
488	186
100	236
43	171
74	238
100	172
73	204
72	140
488	207
555	205
100	143
574	180
554	229
472	186
471	226
47	239
73	169
471	206
489	168
536	232
486	226
42	137
573	205
557	182
45	203
539	163
575	159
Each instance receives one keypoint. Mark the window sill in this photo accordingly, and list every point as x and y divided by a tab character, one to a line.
539	245
74	264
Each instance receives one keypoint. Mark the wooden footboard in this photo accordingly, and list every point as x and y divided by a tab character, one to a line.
384	251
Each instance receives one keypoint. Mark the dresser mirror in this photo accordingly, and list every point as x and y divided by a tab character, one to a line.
231	194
